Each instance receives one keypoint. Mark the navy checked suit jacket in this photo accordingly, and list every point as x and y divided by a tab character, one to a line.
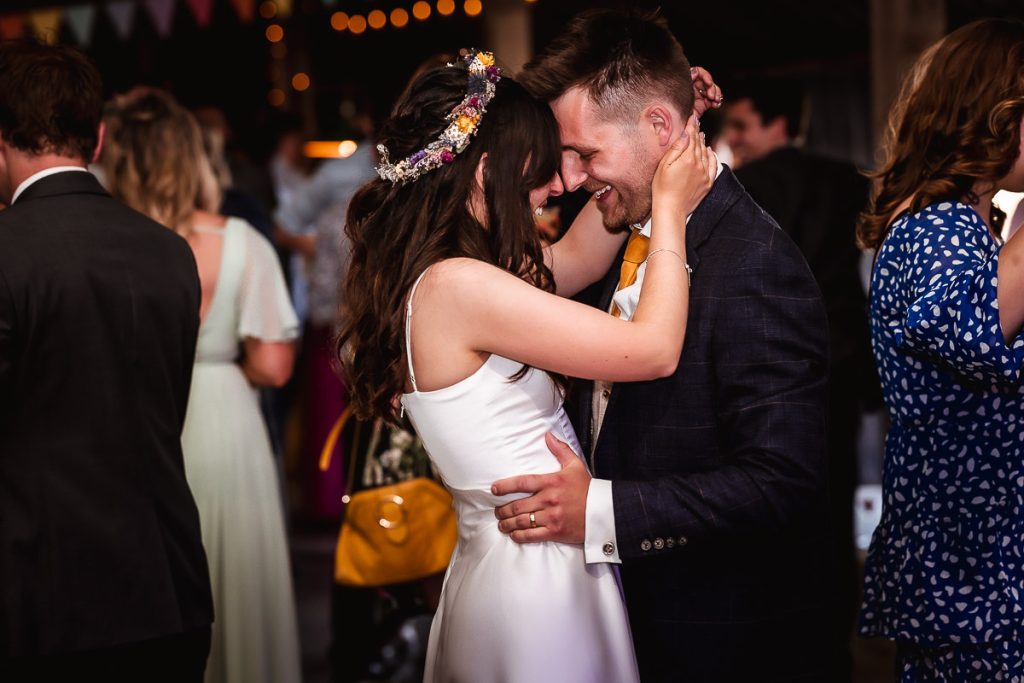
718	471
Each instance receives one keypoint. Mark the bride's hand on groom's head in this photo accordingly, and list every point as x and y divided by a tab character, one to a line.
706	94
685	174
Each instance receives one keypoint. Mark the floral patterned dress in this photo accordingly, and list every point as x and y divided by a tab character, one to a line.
944	574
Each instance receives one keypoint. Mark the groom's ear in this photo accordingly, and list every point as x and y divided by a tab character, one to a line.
662	122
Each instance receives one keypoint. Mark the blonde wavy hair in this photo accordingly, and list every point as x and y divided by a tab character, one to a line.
155	162
956	123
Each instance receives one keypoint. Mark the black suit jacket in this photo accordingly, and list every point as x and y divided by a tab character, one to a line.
99	534
718	472
816	201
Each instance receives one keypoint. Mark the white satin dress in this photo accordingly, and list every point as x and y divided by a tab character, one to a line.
512	613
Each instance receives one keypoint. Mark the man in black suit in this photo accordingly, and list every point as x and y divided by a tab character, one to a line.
816	201
709	484
102	569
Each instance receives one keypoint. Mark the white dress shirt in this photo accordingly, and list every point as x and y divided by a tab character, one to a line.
599	543
42	174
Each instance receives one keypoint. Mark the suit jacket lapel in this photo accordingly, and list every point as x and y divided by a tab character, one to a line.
724	193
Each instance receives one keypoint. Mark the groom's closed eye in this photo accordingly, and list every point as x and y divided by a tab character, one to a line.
584	154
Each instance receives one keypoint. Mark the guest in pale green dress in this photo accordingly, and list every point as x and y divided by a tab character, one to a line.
156	164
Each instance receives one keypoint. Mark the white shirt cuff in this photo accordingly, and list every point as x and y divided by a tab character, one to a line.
599	536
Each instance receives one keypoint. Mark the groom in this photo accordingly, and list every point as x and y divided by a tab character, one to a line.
709	485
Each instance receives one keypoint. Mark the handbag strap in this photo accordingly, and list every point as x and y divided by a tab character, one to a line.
332	438
330	445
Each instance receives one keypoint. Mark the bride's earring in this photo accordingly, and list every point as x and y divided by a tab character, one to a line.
539	211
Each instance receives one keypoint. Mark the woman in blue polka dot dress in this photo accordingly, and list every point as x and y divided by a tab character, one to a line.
945	572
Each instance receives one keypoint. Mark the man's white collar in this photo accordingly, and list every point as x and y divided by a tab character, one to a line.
42	174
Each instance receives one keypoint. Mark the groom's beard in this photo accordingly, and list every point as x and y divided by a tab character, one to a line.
627	204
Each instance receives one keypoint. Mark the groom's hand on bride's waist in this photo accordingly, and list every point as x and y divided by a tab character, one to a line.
556	510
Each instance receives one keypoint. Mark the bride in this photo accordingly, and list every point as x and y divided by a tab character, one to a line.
452	315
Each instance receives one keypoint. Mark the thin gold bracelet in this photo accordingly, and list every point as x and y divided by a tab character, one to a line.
689	270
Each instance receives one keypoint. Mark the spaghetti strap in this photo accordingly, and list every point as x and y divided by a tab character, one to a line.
408	328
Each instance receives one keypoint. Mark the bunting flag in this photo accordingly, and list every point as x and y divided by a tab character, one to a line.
202	10
12	26
122	15
162	13
245	9
45	25
80	19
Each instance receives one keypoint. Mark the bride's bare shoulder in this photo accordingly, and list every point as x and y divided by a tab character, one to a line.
465	271
468	284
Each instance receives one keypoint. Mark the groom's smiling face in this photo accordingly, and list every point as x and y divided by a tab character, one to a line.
609	156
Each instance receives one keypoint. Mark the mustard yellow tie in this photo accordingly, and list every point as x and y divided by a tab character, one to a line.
636	253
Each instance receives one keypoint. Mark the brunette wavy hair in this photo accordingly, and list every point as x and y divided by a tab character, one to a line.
398	230
956	122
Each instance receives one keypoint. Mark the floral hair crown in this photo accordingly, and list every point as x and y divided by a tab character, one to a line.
464	121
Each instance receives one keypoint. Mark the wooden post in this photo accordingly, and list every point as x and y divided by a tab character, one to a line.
508	32
900	31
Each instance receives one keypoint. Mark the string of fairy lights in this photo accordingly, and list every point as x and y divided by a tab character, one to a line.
351	24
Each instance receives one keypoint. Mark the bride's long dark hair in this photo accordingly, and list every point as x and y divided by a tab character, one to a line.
398	230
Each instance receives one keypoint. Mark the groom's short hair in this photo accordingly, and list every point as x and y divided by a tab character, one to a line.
623	58
51	99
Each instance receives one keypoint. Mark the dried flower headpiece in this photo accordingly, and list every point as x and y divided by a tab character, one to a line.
464	121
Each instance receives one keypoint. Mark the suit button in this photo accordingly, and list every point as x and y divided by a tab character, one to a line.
645	545
682	541
670	543
659	543
608	549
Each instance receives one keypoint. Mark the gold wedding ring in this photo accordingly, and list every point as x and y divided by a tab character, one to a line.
533	520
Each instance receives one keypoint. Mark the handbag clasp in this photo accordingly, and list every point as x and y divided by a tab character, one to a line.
390	504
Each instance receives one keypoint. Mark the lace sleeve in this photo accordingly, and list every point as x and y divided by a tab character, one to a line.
266	311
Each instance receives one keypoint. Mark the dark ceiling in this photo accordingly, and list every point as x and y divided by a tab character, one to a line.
229	64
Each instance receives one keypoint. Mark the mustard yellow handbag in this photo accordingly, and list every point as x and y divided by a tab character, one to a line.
391	534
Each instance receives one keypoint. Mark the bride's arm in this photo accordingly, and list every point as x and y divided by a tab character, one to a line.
585	252
516	320
502	314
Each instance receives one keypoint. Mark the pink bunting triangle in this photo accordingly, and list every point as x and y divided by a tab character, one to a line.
162	13
202	10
